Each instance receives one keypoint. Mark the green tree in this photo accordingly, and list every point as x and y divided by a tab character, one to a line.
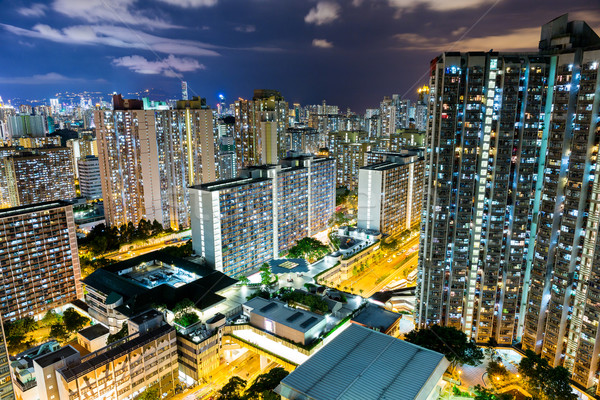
482	393
233	390
114	337
265	274
265	383
496	371
185	305
243	280
449	341
157	228
149	394
543	380
51	318
59	332
74	321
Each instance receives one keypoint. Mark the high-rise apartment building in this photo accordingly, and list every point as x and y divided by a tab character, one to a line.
562	305
480	183
390	194
239	224
510	220
148	158
259	127
39	258
350	158
42	174
90	185
26	125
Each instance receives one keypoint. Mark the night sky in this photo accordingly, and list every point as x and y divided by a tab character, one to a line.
348	52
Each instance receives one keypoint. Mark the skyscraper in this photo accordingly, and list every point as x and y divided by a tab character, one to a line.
259	127
148	158
39	258
90	185
508	248
487	115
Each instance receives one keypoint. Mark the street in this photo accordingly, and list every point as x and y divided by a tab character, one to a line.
370	280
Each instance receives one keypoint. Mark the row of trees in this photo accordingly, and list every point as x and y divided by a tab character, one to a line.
102	239
261	389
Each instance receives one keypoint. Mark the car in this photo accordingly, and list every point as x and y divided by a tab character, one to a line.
290	280
389	260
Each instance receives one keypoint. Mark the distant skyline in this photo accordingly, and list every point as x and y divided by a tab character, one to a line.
350	53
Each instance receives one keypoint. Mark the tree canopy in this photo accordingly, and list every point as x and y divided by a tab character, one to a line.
74	321
543	380
449	341
308	248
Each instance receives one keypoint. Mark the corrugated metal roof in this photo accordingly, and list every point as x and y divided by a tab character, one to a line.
361	364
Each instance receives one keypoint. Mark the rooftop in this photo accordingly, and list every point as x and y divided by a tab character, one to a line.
276	311
55	356
376	317
48	205
143	285
112	352
228	183
93	332
363	364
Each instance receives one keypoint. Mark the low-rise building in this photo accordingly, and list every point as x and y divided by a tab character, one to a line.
378	319
124	290
363	364
275	317
93	337
124	369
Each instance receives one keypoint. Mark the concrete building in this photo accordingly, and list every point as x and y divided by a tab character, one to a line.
39	258
90	185
239	224
521	262
148	158
121	291
232	223
259	125
362	363
39	175
93	337
123	369
390	194
350	158
26	125
297	325
480	191
378	319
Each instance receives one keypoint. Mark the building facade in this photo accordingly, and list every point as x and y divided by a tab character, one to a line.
148	158
39	258
124	369
239	224
510	223
390	194
39	175
90	185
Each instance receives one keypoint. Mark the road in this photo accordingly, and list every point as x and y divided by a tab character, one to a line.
398	267
246	366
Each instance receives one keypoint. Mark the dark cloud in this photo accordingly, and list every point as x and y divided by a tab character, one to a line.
350	53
